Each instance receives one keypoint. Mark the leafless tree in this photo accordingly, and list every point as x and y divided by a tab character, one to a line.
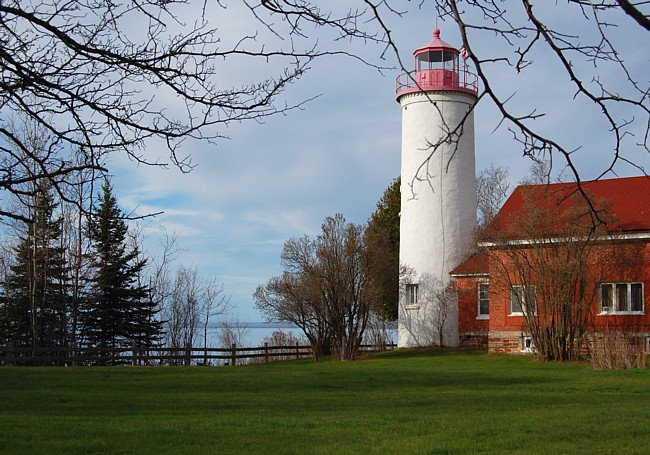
189	304
159	270
232	334
492	189
377	333
281	339
216	303
99	77
525	40
443	299
548	260
182	314
291	297
76	248
617	93
325	286
103	76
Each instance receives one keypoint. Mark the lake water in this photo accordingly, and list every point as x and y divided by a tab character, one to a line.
254	333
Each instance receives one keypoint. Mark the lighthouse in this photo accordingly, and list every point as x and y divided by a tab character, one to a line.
438	189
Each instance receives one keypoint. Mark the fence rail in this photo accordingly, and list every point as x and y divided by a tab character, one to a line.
158	356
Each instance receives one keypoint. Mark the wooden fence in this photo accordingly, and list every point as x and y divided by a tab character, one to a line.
158	356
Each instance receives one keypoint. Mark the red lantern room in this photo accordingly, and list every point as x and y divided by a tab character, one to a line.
437	67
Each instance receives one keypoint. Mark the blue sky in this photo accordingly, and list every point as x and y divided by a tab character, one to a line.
279	179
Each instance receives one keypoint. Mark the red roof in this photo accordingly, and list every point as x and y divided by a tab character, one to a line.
625	200
476	264
435	44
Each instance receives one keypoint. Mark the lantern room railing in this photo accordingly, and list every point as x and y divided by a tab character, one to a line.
437	79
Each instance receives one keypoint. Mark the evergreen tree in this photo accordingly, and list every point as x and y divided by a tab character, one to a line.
382	237
118	312
36	292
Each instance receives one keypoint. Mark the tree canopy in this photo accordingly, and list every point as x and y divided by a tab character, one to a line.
118	311
382	237
325	288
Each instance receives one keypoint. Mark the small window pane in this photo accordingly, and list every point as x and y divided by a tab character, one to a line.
637	296
483	299
516	300
606	297
411	294
621	297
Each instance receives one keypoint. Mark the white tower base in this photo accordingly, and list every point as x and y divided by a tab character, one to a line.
438	208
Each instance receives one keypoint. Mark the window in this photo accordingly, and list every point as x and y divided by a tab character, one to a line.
621	298
483	300
522	298
411	294
527	344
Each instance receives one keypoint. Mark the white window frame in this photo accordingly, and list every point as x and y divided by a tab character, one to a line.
616	290
527	344
482	299
523	290
412	294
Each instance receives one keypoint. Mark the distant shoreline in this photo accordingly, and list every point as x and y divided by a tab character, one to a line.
254	325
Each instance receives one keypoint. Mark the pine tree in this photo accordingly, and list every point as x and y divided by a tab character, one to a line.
382	237
36	293
118	312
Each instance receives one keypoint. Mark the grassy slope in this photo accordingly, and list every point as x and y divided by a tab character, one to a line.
399	402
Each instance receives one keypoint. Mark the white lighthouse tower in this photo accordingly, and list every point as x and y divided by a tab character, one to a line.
438	207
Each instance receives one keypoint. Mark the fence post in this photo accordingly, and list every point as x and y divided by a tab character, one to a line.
188	354
266	353
74	354
6	352
233	355
134	354
297	351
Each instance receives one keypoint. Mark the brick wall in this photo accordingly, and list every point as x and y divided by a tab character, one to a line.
474	340
505	343
468	321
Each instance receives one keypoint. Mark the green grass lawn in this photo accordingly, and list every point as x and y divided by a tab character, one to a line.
407	402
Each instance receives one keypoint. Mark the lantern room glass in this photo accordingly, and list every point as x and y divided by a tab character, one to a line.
438	59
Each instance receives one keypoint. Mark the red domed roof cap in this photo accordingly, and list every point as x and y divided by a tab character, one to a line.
436	43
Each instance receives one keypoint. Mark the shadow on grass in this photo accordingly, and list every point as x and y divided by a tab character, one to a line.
430	352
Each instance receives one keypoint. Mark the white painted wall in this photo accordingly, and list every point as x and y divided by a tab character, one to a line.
438	208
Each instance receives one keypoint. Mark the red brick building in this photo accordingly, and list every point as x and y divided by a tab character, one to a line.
604	245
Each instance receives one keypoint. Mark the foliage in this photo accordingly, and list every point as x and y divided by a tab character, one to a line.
382	237
50	276
553	251
419	402
35	300
117	311
325	288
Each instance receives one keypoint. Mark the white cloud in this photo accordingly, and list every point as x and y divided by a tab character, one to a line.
280	179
